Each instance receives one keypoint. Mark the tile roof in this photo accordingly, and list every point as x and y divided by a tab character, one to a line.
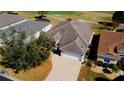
30	27
7	19
5	78
72	35
108	41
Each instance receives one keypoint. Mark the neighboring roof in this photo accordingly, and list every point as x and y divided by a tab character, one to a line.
5	78
30	27
8	19
108	41
72	35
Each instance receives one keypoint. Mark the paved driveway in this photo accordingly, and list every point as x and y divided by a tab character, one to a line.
64	69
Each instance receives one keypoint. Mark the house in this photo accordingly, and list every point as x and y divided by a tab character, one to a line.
7	20
19	23
73	38
111	46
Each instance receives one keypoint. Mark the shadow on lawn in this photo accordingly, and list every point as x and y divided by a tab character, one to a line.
120	30
119	78
41	18
101	79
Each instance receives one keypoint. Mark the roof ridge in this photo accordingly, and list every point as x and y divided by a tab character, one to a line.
71	43
78	33
56	27
115	44
68	41
78	44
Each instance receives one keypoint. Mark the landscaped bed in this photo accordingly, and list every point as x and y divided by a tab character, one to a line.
35	74
88	75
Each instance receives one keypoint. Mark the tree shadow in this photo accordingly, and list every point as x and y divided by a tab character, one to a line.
106	23
41	18
119	78
94	47
101	79
120	30
58	52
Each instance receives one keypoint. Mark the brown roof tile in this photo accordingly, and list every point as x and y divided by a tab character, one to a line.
108	41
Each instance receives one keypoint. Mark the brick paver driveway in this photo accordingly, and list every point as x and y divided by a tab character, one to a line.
64	69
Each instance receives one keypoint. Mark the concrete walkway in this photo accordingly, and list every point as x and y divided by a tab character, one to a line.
64	69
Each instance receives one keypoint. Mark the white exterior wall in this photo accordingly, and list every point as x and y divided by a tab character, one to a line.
37	34
91	38
47	28
72	55
19	22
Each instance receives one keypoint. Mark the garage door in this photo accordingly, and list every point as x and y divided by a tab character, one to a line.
71	55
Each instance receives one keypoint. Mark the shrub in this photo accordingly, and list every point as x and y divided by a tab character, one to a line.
98	63
105	65
114	68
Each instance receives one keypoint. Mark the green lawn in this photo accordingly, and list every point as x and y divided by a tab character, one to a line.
64	13
88	75
55	12
106	18
55	16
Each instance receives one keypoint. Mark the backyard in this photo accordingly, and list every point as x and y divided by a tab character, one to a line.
57	16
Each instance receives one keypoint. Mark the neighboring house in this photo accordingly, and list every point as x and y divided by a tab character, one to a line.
6	78
73	38
111	46
8	22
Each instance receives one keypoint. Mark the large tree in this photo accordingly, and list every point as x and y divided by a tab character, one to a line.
19	55
118	17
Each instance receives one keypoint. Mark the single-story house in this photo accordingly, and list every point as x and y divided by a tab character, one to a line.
73	38
9	22
111	46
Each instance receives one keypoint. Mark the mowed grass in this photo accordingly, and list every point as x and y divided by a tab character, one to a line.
28	14
96	16
56	16
88	75
35	74
87	15
64	13
107	18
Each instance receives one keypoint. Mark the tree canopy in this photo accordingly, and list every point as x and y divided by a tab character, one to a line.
19	55
118	17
